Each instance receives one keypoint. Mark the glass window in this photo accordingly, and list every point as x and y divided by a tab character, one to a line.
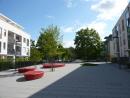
129	42
116	31
0	46
27	52
4	32
124	41
24	40
27	42
4	45
0	32
127	14
123	28
24	50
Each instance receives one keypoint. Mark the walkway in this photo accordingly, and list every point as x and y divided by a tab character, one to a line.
13	85
102	81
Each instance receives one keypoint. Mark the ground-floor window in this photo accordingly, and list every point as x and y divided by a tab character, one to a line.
4	45
0	46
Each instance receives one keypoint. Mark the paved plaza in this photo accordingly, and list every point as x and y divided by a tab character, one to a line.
71	81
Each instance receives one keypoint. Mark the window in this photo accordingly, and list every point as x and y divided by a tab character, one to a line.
128	20
24	50
129	42
124	41
0	32
18	38
27	42
123	28
4	45
4	32
116	31
0	46
24	40
27	52
119	28
120	42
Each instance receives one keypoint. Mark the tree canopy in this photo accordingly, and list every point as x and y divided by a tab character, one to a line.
87	42
35	54
48	41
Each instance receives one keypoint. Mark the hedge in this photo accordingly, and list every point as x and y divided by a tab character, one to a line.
8	64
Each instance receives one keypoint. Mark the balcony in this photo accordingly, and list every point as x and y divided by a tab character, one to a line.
11	50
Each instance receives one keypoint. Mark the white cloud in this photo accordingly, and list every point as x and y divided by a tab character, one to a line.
99	26
69	3
68	44
70	29
67	29
109	9
89	0
50	17
106	10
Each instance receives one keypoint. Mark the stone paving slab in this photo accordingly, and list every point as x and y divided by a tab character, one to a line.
102	81
71	81
13	85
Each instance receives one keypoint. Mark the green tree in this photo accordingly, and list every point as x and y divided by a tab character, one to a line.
35	54
48	41
69	54
33	43
87	43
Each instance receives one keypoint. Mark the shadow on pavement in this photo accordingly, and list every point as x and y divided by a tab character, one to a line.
70	86
89	82
21	79
10	75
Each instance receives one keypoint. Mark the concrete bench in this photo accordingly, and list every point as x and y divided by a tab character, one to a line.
32	75
53	65
26	69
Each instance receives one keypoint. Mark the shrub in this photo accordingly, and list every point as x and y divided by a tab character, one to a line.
8	63
114	60
89	64
128	65
4	65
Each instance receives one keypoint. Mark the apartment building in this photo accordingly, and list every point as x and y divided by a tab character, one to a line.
109	47
121	35
14	41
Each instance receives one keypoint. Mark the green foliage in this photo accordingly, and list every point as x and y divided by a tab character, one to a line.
5	64
88	44
103	51
48	41
69	53
89	64
35	55
33	43
128	65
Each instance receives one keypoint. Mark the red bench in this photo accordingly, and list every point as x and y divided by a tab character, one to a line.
32	75
26	69
54	65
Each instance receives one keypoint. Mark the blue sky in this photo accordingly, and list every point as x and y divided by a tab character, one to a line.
68	15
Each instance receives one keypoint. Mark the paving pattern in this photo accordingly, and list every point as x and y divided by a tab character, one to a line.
13	84
102	81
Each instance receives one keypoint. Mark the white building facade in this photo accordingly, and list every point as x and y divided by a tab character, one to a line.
13	40
109	48
121	35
